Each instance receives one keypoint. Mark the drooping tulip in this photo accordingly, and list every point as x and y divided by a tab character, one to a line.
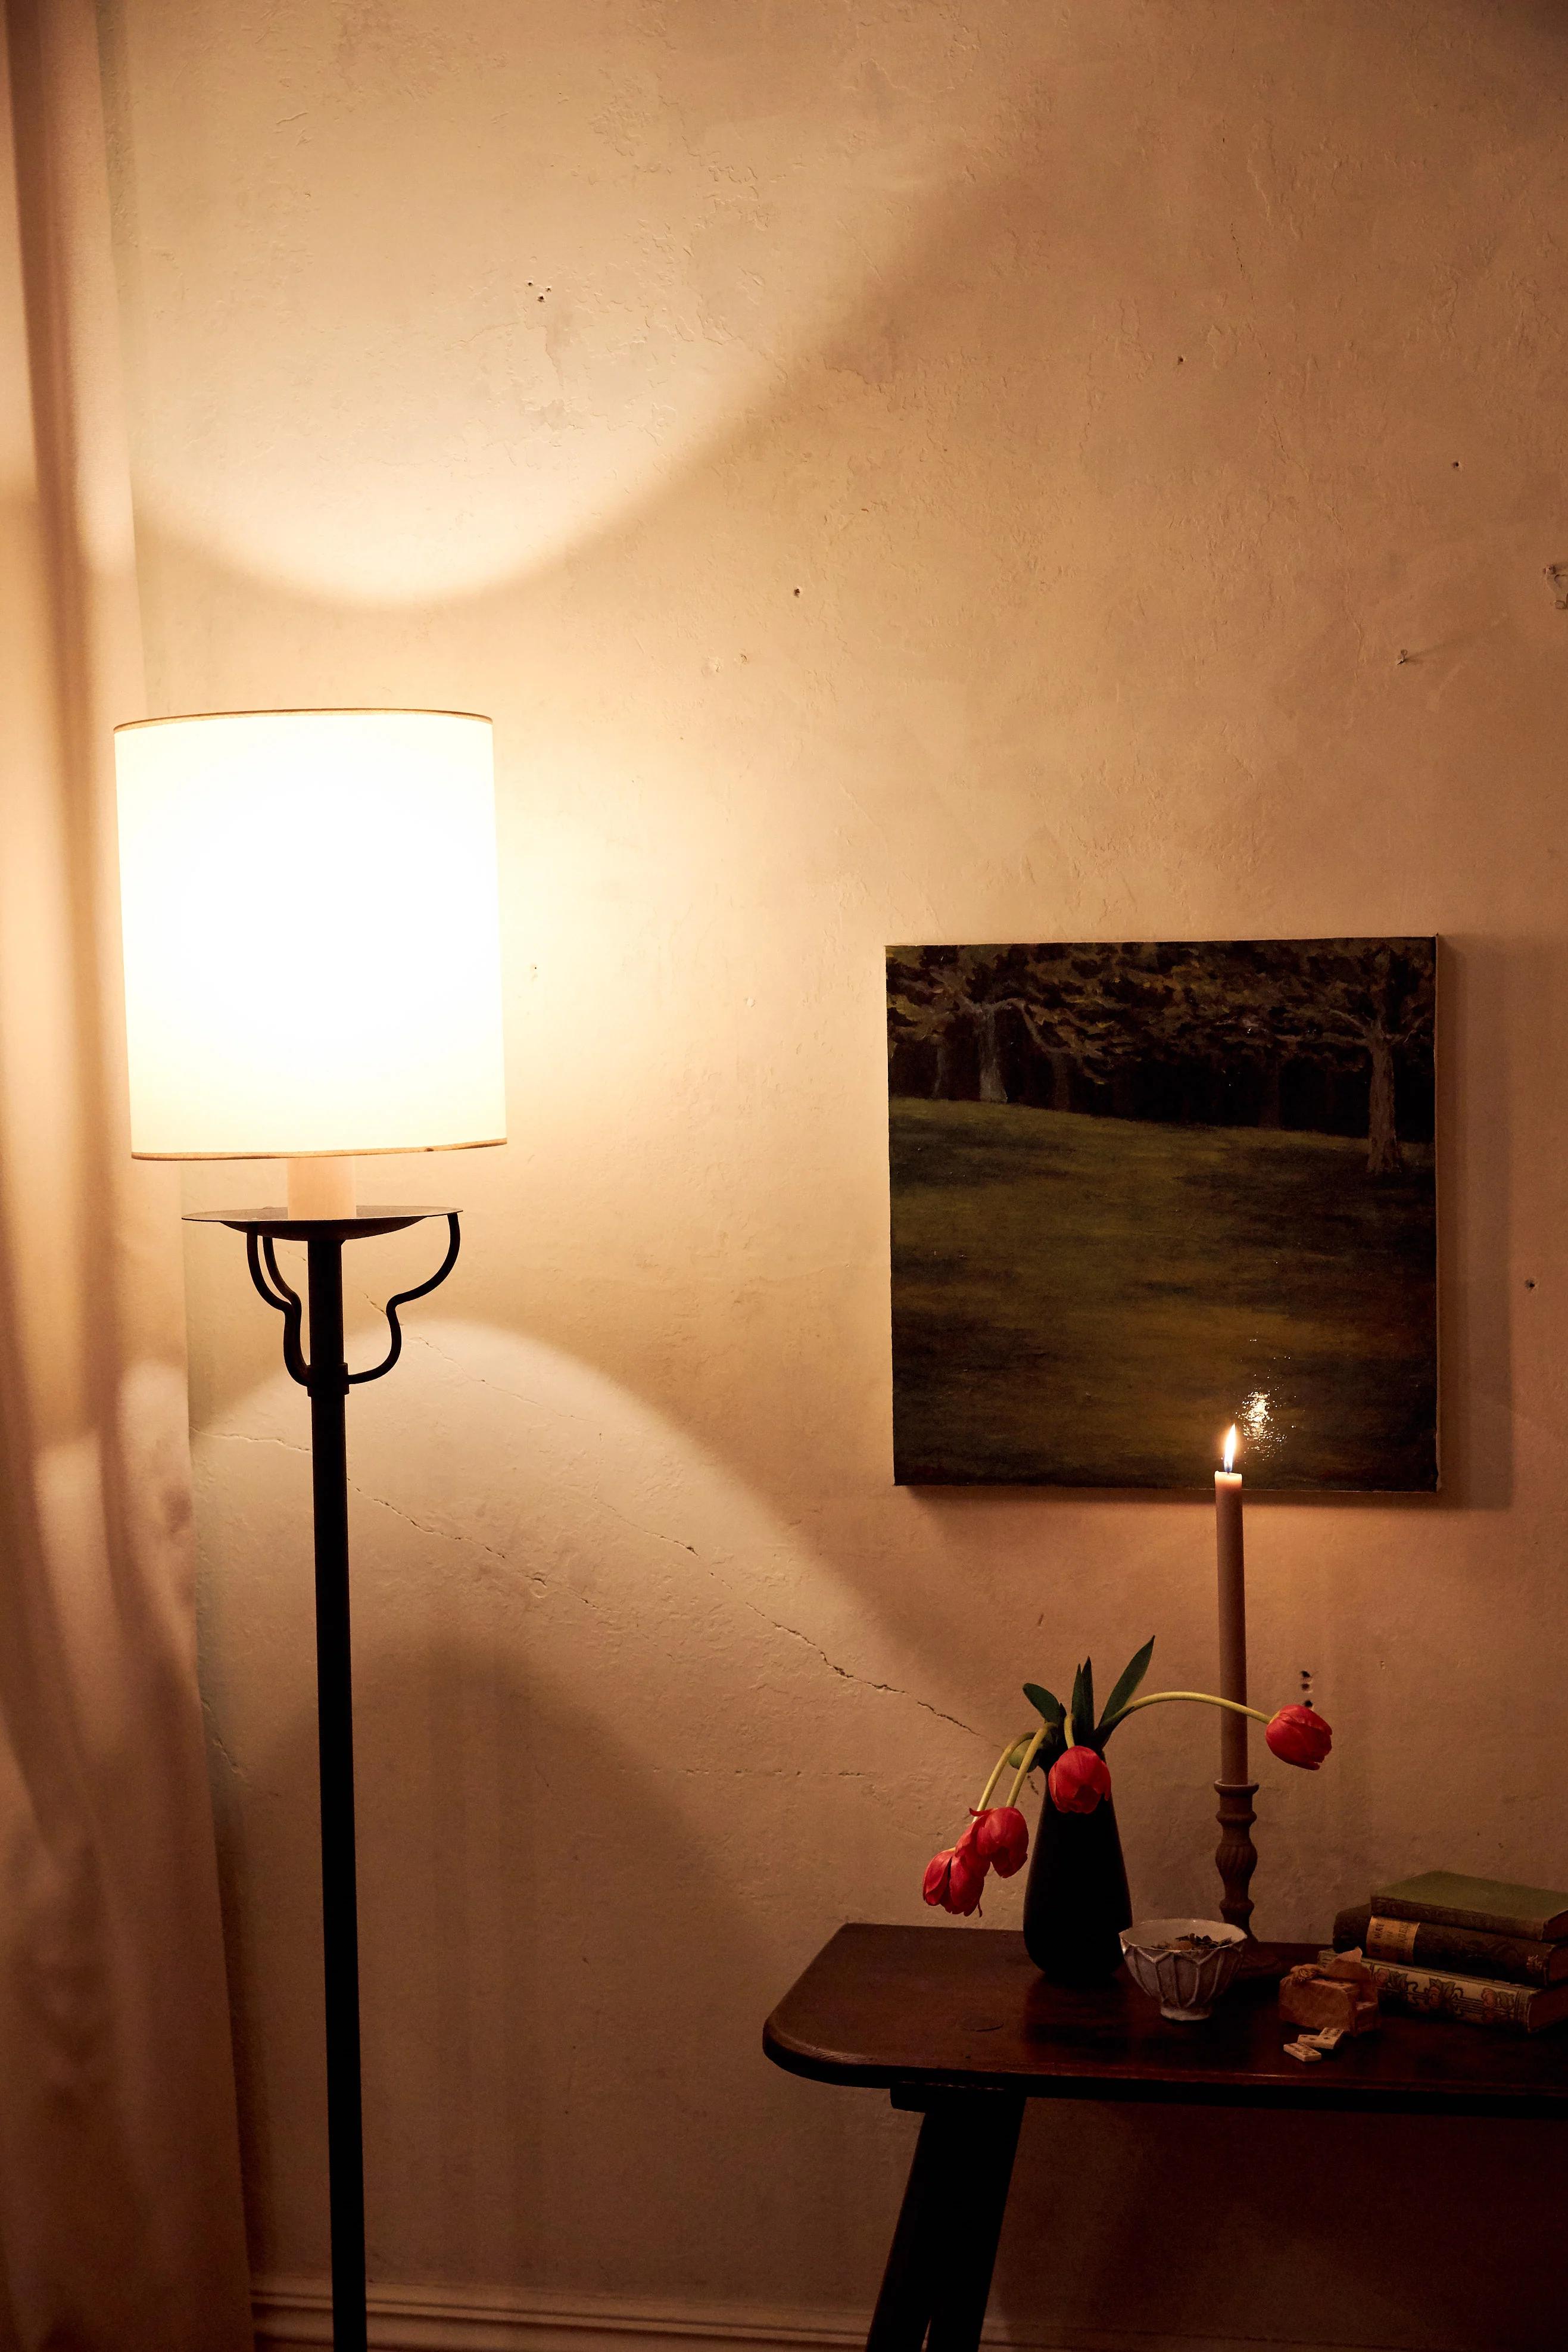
1077	1780
955	1878
1298	1735
1000	1837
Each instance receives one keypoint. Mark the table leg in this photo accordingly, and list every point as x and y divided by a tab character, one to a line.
986	2138
908	2283
943	2250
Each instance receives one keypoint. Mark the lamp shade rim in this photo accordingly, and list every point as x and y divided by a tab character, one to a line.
335	1151
309	710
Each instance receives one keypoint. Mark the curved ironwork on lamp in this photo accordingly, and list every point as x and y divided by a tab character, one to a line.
260	1253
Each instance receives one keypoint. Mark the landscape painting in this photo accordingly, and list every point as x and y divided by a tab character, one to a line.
1142	1192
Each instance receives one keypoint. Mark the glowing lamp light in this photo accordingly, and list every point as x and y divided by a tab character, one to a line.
1230	1447
312	955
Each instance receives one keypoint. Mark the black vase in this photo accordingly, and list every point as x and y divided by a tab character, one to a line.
1075	1900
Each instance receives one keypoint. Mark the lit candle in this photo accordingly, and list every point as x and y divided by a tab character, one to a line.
1232	1618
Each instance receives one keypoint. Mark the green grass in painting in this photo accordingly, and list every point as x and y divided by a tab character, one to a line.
1090	1302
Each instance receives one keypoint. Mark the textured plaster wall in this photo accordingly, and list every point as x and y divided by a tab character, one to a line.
892	471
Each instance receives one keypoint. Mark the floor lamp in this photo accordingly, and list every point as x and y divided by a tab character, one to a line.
313	973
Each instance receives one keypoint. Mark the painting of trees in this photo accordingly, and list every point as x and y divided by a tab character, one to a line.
1162	1029
942	994
1143	1188
1351	998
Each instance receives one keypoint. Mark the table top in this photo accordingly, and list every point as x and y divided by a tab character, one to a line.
923	2011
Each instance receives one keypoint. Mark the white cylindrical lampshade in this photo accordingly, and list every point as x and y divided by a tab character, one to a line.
313	952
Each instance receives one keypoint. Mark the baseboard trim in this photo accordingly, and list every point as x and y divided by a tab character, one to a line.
294	2311
470	2319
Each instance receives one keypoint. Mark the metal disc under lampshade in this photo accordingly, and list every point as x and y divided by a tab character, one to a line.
312	974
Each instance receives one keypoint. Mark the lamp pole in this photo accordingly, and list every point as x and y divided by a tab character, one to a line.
326	1377
329	1389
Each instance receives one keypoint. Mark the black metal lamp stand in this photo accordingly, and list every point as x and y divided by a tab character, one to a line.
324	1374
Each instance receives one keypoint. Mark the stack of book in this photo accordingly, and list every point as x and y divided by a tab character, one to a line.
1476	1949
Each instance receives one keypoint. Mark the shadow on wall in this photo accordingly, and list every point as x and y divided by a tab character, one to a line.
574	1911
526	1897
691	233
1481	985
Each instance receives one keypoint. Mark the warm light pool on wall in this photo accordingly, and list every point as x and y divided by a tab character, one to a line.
312	974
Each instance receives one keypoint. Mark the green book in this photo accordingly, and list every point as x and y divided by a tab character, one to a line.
1465	1951
1493	1905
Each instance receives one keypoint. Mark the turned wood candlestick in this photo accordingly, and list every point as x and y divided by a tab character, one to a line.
1236	1855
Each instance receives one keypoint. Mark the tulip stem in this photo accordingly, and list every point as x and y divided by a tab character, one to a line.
1003	1761
1203	1698
1031	1752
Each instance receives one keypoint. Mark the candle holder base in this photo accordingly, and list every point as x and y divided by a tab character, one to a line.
1236	1856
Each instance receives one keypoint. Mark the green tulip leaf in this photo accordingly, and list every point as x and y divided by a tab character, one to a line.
1132	1676
1083	1700
1045	1702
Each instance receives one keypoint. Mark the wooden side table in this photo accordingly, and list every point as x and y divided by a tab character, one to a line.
957	2024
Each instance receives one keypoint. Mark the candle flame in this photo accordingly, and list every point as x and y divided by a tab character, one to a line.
1230	1447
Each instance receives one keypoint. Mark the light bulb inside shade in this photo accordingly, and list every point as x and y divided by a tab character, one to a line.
312	955
1230	1447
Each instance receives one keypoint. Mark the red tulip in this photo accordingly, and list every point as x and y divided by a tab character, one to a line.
1078	1780
955	1879
1298	1735
1000	1837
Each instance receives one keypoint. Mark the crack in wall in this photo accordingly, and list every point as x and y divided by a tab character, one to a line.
244	1437
891	1689
217	1739
540	1584
442	1535
518	1396
679	1542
